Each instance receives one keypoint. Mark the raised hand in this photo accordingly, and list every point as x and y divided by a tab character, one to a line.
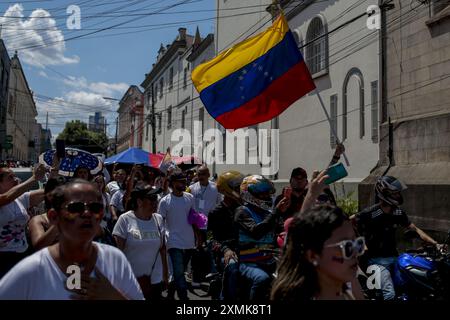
39	172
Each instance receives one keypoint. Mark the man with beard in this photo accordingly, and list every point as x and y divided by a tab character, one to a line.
174	209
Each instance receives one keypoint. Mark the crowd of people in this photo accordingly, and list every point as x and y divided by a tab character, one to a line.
136	233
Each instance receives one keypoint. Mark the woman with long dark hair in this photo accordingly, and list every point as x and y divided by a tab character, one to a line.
320	257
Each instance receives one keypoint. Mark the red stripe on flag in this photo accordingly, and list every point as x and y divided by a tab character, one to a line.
283	92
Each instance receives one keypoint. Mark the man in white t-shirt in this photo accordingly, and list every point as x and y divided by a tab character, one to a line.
174	208
205	192
14	202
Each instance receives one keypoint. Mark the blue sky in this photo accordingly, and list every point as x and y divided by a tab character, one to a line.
82	71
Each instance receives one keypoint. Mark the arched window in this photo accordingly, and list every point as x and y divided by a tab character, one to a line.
317	46
358	75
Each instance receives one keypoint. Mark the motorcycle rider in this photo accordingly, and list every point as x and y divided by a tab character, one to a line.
378	224
220	223
257	224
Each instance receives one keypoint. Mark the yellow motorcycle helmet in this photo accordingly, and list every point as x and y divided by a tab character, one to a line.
229	184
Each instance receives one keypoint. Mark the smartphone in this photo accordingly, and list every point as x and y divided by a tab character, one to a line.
335	173
287	193
60	148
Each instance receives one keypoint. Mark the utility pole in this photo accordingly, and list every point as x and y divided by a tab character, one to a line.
46	123
153	120
115	144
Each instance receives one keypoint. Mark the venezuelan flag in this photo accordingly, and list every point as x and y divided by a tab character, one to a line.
255	80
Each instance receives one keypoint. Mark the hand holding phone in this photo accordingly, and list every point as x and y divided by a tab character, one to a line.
335	173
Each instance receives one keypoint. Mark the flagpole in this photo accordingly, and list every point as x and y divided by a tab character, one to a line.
277	4
333	129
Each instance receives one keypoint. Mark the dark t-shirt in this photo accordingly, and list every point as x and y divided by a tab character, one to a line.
379	230
221	224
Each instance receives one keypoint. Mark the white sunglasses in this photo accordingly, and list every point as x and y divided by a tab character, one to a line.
350	247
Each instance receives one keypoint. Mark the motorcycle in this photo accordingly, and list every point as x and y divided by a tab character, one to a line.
216	280
422	274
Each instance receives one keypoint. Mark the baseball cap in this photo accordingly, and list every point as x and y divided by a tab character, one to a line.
299	172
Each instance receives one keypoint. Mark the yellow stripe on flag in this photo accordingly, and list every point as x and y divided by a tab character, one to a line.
239	55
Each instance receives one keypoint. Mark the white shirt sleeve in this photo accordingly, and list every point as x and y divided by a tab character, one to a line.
192	201
25	200
120	229
15	285
162	207
115	200
126	282
107	175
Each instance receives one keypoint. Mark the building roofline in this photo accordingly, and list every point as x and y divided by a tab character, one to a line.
16	57
272	8
201	48
126	95
173	49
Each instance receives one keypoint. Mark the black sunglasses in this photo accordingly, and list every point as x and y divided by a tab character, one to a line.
79	207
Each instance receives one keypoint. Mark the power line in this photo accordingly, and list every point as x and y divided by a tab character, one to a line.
178	83
177	23
179	3
135	2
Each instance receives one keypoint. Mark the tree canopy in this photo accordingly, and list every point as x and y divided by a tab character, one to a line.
76	134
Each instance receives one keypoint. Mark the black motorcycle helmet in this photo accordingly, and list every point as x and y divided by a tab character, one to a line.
389	190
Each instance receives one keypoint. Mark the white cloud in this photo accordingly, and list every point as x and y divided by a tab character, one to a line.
89	99
108	108
101	88
109	89
79	83
76	105
43	74
81	100
38	30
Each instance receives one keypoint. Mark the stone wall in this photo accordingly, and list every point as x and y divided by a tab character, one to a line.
418	103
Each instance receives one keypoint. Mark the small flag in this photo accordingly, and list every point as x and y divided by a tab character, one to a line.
255	80
166	162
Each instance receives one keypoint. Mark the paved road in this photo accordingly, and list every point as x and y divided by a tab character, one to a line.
200	293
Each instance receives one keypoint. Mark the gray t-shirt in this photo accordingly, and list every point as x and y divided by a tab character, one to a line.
175	211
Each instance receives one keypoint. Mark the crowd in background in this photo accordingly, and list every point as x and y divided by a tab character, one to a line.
135	232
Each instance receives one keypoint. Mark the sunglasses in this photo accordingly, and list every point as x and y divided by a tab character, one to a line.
79	207
350	247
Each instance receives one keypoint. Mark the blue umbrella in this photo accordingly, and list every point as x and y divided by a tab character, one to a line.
73	159
130	156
